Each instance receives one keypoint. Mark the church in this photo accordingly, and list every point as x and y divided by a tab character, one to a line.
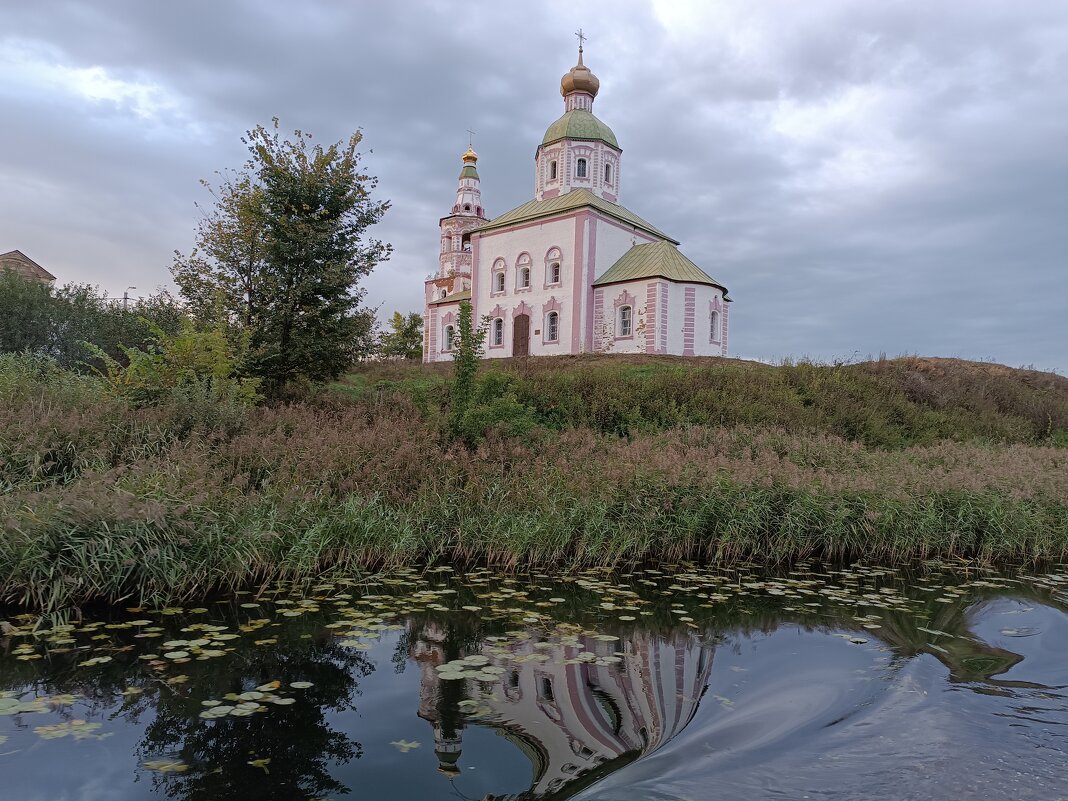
571	271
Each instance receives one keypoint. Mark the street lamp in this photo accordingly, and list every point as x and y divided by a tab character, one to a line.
126	296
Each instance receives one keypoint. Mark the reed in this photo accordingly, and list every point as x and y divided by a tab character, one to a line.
100	501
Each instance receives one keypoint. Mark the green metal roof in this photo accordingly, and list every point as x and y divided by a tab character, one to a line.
575	199
579	124
656	260
469	171
456	297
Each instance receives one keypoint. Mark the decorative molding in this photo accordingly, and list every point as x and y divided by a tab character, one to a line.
689	312
652	318
715	309
522	308
625	299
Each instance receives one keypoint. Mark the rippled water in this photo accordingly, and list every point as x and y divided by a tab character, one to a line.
678	684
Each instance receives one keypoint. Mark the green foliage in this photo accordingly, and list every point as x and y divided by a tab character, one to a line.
404	340
467	351
57	322
27	314
885	404
191	365
282	253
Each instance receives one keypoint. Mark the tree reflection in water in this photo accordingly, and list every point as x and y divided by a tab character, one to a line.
285	756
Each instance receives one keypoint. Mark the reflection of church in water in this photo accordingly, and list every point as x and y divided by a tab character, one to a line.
575	722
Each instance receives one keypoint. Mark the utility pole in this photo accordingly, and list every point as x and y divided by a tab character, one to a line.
126	296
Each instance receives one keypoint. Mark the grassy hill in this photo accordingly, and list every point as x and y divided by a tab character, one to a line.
890	403
563	463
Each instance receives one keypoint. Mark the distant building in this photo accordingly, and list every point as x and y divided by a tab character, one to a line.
23	266
571	271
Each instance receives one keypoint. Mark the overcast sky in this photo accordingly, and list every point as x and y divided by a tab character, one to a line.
864	177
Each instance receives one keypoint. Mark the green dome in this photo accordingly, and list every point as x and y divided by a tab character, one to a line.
579	124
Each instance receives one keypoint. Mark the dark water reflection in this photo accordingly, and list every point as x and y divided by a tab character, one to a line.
689	684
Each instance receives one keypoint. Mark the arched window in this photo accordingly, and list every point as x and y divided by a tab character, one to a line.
443	293
450	335
552	171
608	173
467	207
713	327
626	323
498	281
552	327
554	273
498	332
580	168
522	271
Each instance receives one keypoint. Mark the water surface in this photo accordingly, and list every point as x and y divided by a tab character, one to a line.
679	683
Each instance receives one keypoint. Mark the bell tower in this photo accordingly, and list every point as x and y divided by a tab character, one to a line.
467	213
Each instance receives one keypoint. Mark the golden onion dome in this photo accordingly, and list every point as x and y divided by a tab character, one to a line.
579	79
470	155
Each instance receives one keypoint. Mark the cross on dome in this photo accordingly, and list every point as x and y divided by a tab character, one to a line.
579	78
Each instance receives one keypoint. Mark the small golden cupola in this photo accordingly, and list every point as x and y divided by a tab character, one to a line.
579	79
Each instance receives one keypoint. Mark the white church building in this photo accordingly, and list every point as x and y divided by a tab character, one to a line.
571	271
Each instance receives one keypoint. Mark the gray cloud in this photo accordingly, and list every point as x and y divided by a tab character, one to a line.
865	178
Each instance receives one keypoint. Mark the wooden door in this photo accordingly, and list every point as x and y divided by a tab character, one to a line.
521	335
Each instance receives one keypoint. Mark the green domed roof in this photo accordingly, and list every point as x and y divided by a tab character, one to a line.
579	124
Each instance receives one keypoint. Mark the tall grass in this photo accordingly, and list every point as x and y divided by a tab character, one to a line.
890	403
101	501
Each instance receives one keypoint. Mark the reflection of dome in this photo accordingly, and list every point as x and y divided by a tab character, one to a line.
448	757
579	79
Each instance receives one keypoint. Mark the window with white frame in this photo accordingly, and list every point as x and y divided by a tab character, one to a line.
554	273
608	173
443	293
713	326
580	168
626	321
522	271
498	332
450	336
552	327
498	281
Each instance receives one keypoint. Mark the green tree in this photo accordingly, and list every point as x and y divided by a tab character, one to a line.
283	252
404	340
27	314
56	322
468	347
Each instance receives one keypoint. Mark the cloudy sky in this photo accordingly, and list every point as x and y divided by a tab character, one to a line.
865	177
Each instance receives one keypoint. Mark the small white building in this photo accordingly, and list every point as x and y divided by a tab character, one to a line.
571	271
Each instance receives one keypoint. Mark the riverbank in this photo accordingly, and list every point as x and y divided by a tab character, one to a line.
100	501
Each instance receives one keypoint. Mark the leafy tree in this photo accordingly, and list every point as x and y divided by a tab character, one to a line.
56	322
283	252
404	340
468	348
27	311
